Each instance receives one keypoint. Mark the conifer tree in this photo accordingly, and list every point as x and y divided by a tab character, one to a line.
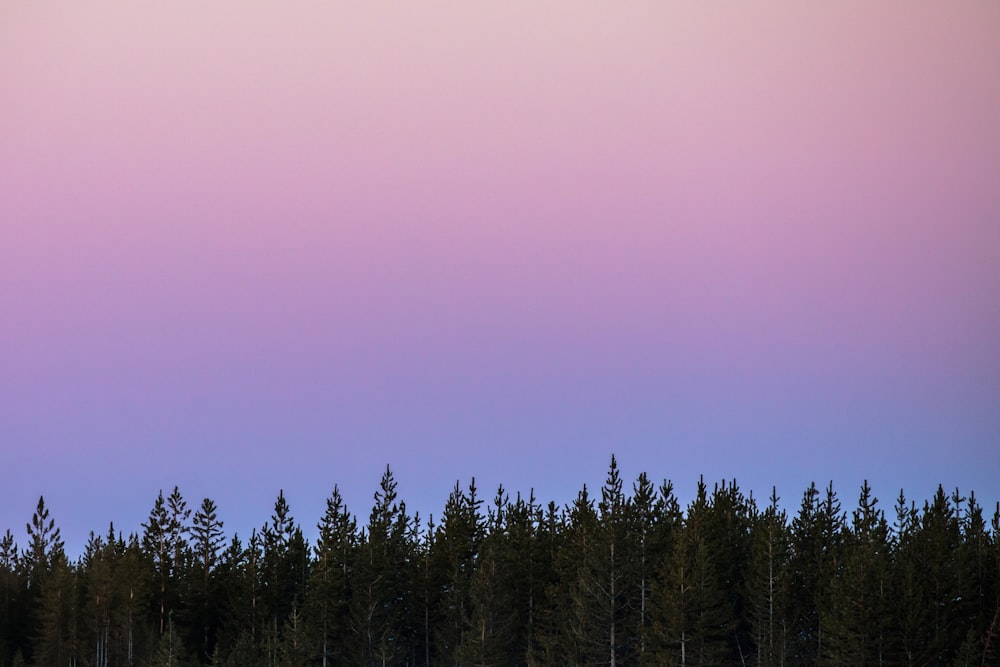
856	616
11	622
641	525
97	574
456	549
57	622
692	620
991	637
170	649
207	538
937	540
549	620
529	565
131	589
607	580
329	591
492	617
976	578
729	546
44	544
237	585
292	647
50	588
767	584
817	536
381	599
284	568
575	595
908	618
165	546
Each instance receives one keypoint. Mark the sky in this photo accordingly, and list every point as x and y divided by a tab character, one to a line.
251	246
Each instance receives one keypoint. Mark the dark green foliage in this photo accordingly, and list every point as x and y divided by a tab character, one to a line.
284	570
11	598
696	598
817	537
767	585
328	592
453	562
165	546
382	600
856	618
207	538
622	578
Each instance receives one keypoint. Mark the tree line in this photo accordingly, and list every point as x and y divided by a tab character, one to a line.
624	576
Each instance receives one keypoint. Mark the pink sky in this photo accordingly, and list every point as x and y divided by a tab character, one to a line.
295	242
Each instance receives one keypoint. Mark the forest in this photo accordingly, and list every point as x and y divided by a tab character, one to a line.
624	575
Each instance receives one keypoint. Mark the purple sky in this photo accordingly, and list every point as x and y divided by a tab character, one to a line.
256	246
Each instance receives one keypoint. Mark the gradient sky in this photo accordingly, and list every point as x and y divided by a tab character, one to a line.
247	246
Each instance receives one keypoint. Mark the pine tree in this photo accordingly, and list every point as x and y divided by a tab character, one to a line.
382	597
529	566
571	636
44	544
729	545
11	621
453	560
97	574
57	622
207	538
692	619
292	649
489	637
642	529
817	538
977	582
767	585
49	594
238	597
130	580
607	580
613	570
991	638
551	534
164	543
908	618
329	590
170	650
285	570
855	619
938	540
